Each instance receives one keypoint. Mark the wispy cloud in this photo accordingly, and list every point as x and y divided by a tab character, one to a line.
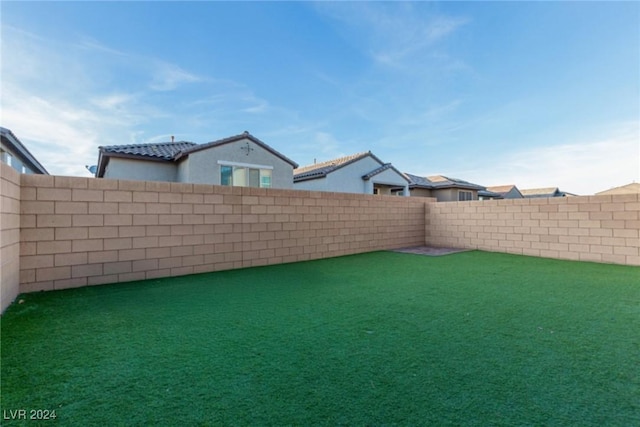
168	77
393	33
62	101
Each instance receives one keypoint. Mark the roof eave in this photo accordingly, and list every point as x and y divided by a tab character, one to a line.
235	138
24	153
309	177
104	156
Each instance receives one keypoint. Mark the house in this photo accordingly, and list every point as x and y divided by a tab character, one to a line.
15	154
505	192
633	188
241	160
443	188
544	192
362	173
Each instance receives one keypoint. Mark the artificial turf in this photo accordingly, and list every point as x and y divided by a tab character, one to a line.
374	339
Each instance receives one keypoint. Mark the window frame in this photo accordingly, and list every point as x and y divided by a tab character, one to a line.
466	194
264	178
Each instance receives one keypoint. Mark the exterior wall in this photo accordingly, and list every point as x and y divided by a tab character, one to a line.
451	194
589	228
121	168
9	235
348	179
10	157
421	192
513	194
86	231
61	232
204	168
182	174
318	184
387	179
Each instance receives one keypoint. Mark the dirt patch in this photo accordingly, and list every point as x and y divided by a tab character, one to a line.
429	250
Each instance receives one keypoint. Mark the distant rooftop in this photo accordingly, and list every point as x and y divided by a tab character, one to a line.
173	151
441	181
323	168
16	146
632	188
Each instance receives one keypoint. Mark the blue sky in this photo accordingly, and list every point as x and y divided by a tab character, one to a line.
537	94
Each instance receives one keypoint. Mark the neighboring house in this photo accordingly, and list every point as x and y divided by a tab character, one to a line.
241	160
633	188
488	195
443	188
544	192
505	192
15	154
362	173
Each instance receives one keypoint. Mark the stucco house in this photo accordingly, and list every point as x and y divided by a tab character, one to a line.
443	188
240	160
362	173
504	192
15	154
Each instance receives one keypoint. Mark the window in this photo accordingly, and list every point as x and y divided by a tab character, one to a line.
5	157
241	175
465	195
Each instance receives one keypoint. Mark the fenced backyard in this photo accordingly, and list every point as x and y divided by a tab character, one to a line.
382	338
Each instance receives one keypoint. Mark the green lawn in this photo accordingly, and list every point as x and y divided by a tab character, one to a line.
375	339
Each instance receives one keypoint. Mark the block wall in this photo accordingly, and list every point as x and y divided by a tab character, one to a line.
9	235
86	231
590	228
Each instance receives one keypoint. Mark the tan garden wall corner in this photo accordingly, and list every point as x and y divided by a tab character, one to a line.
589	228
9	235
62	232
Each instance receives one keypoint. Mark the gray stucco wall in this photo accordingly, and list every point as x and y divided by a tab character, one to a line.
389	177
182	170
421	192
513	194
203	165
451	194
143	170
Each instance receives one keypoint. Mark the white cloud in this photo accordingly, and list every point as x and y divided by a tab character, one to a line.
583	167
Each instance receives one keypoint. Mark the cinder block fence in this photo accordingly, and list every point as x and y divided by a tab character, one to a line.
591	228
85	231
61	232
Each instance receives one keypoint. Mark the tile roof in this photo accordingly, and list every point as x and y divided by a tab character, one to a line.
161	150
441	181
632	188
173	151
377	171
234	138
501	188
488	193
318	170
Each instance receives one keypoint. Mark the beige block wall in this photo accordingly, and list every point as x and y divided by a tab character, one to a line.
9	235
591	228
86	231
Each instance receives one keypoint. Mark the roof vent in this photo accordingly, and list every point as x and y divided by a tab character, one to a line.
172	138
